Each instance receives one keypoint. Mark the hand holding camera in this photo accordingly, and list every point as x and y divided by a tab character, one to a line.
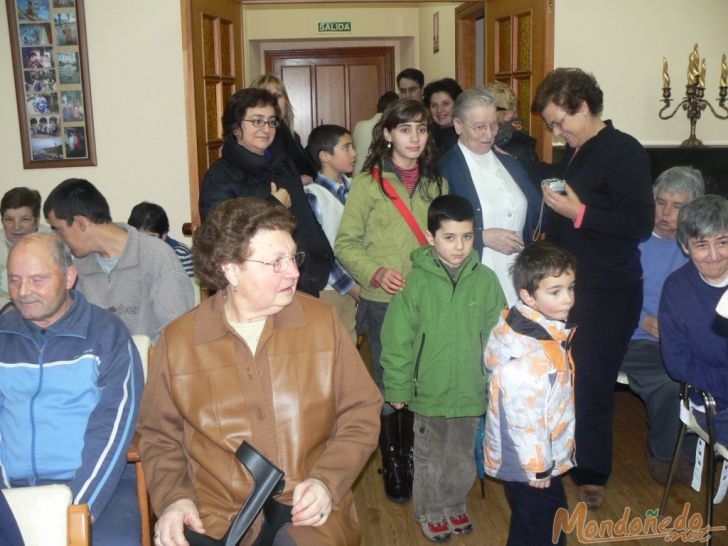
555	184
560	197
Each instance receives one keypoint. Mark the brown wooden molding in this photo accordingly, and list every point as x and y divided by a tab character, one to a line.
393	2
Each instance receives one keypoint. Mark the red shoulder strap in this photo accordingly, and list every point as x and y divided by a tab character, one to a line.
401	207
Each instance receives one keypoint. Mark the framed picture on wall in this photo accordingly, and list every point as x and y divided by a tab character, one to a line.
50	64
436	32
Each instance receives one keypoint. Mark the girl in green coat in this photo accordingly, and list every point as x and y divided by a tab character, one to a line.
374	245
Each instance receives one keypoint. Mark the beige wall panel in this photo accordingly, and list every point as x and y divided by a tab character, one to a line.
622	42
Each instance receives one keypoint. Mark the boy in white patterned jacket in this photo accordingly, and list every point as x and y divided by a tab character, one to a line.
529	431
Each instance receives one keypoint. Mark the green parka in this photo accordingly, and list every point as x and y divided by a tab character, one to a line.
373	234
434	334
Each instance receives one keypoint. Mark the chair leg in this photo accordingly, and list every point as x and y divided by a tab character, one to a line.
144	510
709	492
673	469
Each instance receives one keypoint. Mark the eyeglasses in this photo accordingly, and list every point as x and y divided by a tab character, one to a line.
557	124
481	128
284	262
260	123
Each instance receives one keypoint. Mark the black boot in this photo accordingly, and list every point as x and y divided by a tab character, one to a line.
395	486
407	445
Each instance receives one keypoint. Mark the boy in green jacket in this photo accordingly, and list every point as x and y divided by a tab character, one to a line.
433	338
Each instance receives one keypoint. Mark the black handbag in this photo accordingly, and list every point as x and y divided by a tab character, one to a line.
269	480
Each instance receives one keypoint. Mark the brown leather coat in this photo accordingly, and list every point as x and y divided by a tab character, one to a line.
305	400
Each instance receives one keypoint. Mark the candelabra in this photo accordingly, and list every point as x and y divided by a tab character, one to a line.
693	103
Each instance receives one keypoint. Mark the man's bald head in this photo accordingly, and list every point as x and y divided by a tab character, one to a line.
40	277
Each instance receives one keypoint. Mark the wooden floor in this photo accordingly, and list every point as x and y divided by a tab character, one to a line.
388	524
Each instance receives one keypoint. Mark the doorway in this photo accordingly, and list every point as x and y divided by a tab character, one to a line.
334	85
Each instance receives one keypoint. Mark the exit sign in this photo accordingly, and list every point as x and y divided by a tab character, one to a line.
334	26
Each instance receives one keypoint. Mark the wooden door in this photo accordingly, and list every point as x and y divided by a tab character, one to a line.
338	85
212	42
466	44
519	50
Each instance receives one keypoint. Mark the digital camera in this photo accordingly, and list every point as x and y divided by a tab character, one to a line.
555	184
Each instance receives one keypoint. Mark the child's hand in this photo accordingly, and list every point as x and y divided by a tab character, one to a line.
540	484
354	292
397	405
390	280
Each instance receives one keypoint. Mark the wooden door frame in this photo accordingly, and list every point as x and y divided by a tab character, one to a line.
333	52
190	112
262	2
187	48
465	57
545	149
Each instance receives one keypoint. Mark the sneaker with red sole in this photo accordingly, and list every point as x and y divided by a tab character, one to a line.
436	530
460	524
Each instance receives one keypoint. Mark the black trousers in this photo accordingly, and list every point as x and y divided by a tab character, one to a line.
533	511
606	320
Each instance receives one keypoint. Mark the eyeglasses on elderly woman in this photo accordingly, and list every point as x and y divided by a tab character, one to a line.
284	262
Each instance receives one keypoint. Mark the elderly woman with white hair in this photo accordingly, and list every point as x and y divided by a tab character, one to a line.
694	337
660	255
505	200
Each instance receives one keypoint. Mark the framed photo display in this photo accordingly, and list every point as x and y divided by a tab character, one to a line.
48	42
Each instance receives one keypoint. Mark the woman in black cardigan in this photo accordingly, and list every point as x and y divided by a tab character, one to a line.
606	211
254	163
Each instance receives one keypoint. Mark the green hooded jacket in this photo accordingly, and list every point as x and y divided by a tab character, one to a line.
434	335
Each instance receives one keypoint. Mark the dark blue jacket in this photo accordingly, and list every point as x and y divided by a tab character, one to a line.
69	396
454	167
693	336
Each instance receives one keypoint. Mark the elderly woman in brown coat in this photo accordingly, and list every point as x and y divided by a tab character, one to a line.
260	362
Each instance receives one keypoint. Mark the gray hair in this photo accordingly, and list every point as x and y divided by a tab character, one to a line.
59	251
470	99
680	179
701	218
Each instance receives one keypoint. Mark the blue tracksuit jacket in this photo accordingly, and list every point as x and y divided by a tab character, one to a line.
69	396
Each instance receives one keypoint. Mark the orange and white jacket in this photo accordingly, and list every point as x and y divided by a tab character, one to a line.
529	430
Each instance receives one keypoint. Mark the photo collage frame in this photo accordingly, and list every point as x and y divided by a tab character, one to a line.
48	40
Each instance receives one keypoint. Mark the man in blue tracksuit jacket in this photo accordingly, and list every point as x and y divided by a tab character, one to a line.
70	385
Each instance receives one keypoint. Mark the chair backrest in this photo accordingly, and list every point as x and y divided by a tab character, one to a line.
198	290
43	514
143	343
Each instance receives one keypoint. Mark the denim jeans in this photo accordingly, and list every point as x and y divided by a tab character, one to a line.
369	320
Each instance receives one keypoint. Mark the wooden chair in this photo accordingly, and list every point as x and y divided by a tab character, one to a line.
689	412
143	345
46	517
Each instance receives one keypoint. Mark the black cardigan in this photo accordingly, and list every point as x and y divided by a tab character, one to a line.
241	173
611	175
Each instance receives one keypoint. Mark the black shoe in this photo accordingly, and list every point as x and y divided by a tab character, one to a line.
395	485
660	468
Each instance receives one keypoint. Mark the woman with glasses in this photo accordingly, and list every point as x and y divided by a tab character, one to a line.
286	133
606	210
256	362
505	200
255	164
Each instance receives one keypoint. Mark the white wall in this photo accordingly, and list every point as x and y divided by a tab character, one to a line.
291	26
441	64
622	42
135	58
135	64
